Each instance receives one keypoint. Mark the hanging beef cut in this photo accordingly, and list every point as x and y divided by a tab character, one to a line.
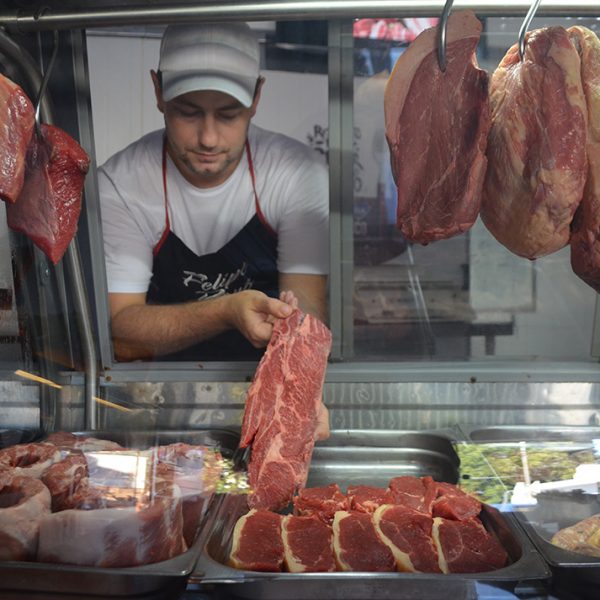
281	411
537	163
585	235
48	207
17	119
436	125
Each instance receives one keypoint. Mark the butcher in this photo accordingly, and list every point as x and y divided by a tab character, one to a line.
207	221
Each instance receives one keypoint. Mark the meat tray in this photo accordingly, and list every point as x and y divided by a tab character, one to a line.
371	458
166	579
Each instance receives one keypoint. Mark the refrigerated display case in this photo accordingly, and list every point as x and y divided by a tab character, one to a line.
456	360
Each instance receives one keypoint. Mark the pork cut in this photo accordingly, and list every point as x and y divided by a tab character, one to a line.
257	543
408	533
282	406
466	546
30	460
537	164
64	478
357	546
308	545
322	502
582	537
585	229
114	537
436	126
85	443
24	501
48	207
17	120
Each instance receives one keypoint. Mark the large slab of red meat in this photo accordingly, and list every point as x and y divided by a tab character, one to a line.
467	547
436	125
24	501
48	207
585	230
408	533
17	120
257	543
537	164
322	502
308	545
282	407
357	546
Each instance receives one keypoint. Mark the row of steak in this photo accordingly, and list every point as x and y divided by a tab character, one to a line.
41	176
521	149
413	525
84	501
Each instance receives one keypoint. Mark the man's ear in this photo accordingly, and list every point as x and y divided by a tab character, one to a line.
157	90
259	83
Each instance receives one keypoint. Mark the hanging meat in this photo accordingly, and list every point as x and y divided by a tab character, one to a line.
585	230
282	407
16	126
48	208
537	164
436	125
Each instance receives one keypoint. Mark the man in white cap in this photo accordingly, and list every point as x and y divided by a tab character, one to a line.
206	222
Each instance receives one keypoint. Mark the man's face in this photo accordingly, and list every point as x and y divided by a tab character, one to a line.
206	133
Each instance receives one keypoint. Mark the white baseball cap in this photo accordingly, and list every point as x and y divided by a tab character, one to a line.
210	56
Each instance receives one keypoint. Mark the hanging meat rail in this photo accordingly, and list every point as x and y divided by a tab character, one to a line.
128	13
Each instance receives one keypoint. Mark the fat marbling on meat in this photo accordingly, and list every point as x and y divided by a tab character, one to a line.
436	125
537	164
282	407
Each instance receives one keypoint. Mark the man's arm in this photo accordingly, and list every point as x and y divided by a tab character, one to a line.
144	331
310	290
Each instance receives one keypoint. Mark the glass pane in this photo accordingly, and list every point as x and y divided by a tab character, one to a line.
461	298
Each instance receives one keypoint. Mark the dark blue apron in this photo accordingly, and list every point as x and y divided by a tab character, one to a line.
247	261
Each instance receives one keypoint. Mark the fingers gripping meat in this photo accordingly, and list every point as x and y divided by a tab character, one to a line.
24	501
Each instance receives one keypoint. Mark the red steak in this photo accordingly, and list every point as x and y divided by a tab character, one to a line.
436	125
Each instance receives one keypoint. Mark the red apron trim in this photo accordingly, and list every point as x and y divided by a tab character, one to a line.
167	228
259	212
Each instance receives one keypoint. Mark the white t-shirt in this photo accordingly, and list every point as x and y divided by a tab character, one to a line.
292	187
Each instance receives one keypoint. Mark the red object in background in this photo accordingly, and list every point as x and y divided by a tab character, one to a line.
396	30
16	126
48	207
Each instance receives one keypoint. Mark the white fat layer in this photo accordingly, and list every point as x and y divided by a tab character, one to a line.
403	561
435	534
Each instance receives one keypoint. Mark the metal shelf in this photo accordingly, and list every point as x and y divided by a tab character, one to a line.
81	15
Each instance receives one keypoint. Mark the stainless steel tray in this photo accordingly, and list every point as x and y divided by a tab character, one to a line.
165	579
371	458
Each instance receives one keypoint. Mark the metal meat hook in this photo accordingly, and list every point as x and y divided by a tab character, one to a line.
441	34
44	84
525	26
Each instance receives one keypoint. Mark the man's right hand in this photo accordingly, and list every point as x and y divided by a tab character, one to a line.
253	314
